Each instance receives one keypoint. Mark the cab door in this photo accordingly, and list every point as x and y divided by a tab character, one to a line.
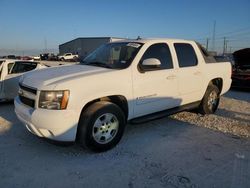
155	87
11	80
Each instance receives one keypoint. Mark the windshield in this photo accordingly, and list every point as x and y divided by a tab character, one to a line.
113	55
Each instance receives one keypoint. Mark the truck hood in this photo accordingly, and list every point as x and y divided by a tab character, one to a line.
51	76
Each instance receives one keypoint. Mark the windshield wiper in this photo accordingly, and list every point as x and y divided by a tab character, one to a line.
97	63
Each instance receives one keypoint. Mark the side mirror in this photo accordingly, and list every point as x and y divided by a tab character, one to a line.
151	62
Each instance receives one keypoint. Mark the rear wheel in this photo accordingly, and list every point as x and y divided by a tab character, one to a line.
101	126
210	101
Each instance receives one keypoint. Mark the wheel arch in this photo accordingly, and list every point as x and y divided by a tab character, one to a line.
218	82
119	100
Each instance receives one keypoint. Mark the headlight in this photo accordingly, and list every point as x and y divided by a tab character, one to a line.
53	100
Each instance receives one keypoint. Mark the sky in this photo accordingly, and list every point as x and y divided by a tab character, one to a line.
31	26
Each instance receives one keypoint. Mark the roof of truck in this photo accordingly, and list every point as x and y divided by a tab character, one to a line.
145	40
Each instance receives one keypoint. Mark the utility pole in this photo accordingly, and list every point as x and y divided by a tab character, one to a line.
207	44
213	39
224	45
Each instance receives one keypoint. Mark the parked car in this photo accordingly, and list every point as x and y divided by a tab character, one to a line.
131	80
11	57
10	73
36	58
26	58
241	70
68	57
44	56
52	57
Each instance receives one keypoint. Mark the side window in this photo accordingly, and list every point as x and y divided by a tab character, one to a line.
161	52
185	54
10	65
21	67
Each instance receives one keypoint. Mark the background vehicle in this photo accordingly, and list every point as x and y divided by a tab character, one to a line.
68	57
131	80
26	58
53	57
36	58
48	57
10	72
241	71
9	57
44	56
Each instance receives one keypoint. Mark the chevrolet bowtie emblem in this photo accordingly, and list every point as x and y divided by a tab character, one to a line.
20	92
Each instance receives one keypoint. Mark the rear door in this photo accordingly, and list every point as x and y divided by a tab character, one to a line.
12	79
190	75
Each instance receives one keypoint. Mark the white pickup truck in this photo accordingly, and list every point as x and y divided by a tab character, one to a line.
131	80
68	57
10	73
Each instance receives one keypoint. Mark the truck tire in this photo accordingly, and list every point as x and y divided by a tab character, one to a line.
210	101
101	126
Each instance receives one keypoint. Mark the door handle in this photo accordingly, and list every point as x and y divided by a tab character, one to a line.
171	77
197	73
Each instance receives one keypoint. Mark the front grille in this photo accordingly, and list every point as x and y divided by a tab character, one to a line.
27	101
27	96
31	90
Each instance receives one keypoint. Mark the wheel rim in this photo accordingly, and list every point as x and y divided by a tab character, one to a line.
212	100
105	128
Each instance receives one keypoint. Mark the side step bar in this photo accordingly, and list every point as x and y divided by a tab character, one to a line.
164	113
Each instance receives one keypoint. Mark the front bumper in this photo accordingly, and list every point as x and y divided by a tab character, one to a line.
58	125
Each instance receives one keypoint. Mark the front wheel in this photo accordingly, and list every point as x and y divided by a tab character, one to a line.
210	101
101	126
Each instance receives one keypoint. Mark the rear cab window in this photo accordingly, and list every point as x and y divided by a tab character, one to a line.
10	65
21	67
186	55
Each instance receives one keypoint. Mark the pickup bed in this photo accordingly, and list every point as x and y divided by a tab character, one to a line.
130	80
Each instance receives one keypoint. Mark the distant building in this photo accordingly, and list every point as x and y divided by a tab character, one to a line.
84	45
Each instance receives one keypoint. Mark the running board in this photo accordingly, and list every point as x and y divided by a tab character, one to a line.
161	114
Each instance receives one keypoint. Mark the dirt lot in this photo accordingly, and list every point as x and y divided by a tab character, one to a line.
175	151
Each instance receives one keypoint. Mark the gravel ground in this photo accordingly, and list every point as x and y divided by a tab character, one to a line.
169	152
233	115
